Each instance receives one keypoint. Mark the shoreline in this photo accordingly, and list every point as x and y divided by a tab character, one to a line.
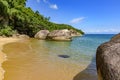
4	41
44	69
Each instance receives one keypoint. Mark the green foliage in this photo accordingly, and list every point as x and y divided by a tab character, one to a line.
7	31
24	20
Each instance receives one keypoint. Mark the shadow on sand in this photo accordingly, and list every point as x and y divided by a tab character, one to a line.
89	73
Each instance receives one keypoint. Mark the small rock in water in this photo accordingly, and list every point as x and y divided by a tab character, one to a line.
64	56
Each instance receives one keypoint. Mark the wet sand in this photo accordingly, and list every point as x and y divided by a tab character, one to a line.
24	63
4	41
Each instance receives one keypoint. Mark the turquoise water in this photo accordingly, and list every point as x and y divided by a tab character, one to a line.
81	49
40	60
87	45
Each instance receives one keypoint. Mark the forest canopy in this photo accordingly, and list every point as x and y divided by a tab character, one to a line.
15	17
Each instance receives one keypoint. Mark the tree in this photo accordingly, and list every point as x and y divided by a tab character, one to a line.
15	15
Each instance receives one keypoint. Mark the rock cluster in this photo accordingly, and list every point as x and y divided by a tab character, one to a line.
59	35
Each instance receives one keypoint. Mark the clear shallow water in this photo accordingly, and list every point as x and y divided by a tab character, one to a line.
39	60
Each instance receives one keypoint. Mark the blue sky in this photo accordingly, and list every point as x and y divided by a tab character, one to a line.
91	16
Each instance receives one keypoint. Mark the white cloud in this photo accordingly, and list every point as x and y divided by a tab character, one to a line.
53	6
38	1
77	20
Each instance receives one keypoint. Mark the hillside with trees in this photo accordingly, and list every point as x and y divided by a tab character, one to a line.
15	17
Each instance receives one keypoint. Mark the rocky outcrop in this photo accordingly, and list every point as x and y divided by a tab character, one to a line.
116	38
74	33
61	35
108	59
42	34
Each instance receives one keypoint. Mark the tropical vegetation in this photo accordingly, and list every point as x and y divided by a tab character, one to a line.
15	17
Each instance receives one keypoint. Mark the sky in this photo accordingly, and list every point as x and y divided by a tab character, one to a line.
91	16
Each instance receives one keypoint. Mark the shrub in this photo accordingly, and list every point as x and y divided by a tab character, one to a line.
7	31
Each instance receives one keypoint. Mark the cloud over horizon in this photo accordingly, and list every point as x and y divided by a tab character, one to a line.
104	31
77	20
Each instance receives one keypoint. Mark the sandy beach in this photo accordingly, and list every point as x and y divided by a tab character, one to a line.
35	66
31	59
4	41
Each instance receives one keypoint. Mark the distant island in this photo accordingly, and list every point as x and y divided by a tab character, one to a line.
16	18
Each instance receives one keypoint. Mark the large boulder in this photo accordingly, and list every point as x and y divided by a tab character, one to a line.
116	38
108	59
74	33
42	34
60	35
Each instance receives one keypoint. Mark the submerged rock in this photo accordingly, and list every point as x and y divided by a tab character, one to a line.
60	35
64	56
42	34
108	59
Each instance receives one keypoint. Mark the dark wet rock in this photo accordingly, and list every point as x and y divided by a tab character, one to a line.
42	34
108	59
64	56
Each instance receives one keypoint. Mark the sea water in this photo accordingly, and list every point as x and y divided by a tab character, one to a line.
42	60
